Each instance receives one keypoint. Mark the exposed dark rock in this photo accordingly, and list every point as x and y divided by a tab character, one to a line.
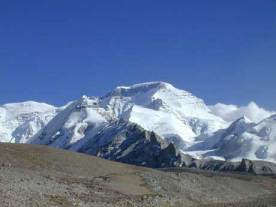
129	143
245	166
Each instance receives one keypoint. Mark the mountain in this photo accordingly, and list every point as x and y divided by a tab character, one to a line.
256	141
121	141
174	114
21	121
242	139
136	124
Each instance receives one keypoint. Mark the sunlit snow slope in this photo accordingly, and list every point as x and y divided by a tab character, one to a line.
172	113
21	121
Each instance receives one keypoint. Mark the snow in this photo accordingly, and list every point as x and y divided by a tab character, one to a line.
20	121
162	108
74	123
165	124
243	139
176	115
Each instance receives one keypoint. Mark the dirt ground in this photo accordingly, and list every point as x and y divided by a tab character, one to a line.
32	175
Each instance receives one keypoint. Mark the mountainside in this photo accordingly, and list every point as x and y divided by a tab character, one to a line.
121	141
256	141
242	139
174	114
21	121
36	175
135	124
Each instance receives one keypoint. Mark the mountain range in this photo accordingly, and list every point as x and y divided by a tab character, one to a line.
152	124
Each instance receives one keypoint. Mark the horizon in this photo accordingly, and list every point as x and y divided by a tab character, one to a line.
221	52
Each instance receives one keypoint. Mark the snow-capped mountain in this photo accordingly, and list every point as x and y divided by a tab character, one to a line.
253	141
21	121
242	139
102	126
174	114
79	121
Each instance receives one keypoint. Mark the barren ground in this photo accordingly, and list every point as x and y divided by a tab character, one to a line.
32	175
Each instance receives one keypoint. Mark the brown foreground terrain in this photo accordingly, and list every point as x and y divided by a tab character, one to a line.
33	175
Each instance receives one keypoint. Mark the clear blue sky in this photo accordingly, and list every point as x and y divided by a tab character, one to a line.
56	50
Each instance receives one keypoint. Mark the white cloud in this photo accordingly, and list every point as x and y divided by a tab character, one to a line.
231	113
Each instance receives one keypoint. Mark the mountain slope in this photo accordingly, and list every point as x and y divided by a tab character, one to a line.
172	113
256	142
80	120
242	139
33	175
129	143
21	121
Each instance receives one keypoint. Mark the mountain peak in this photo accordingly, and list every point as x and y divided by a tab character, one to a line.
153	84
140	88
241	124
86	101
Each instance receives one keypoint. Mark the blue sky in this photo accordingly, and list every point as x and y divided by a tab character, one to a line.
55	51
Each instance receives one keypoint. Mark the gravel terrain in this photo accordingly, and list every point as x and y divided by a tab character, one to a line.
32	175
